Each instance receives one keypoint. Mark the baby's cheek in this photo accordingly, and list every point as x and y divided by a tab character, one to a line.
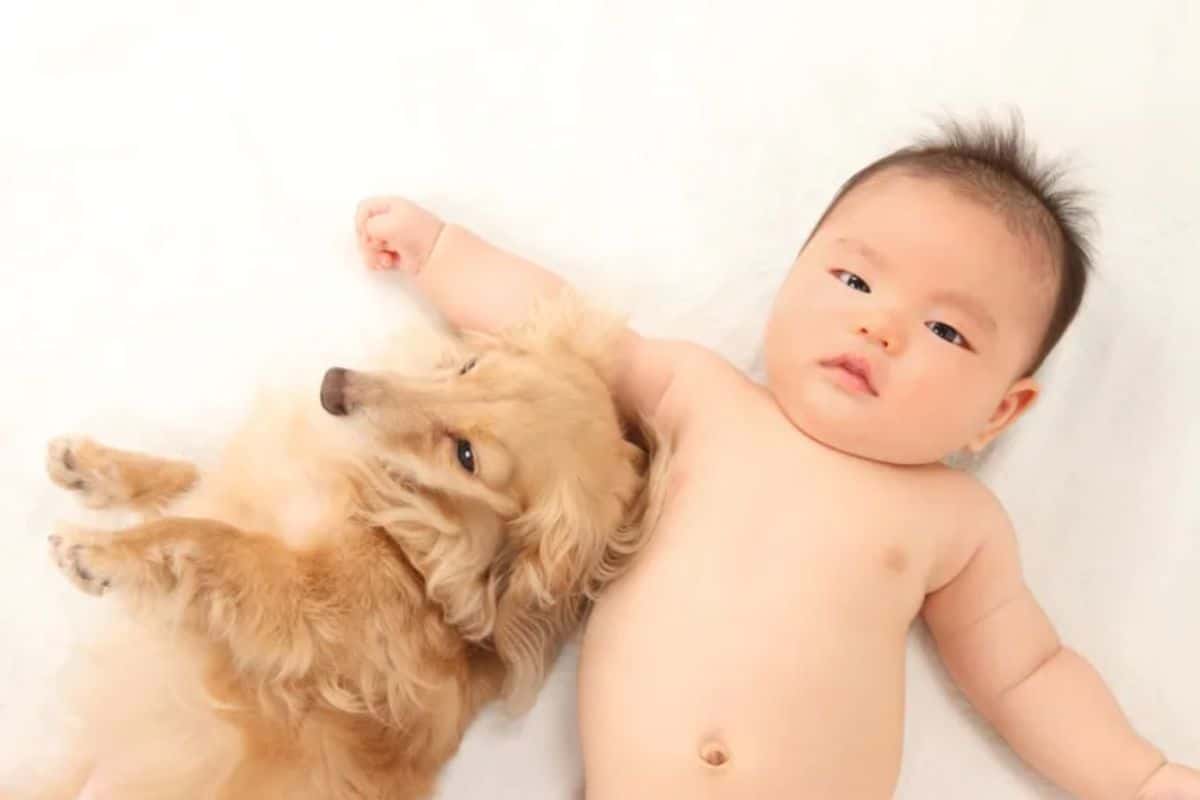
787	345
783	370
943	419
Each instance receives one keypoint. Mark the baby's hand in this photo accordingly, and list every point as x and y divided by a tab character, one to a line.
1172	782
394	233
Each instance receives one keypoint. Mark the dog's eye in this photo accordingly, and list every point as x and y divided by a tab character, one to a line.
466	455
467	367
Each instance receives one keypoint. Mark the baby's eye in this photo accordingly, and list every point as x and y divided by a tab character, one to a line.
467	367
944	331
853	281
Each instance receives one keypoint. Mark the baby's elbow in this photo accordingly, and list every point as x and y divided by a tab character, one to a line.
1025	674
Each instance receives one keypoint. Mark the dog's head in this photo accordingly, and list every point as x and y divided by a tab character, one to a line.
506	478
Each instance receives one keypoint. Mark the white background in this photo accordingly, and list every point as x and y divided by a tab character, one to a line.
177	183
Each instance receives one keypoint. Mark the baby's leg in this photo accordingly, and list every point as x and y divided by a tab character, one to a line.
108	478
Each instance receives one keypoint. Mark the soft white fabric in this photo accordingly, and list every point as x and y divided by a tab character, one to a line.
177	187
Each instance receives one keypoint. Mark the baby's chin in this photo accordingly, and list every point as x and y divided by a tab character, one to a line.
854	428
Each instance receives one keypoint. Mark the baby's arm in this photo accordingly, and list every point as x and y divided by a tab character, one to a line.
1045	700
480	287
474	285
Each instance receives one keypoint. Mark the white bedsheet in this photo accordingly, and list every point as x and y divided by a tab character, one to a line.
176	188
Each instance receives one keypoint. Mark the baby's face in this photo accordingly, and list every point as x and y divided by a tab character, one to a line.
935	297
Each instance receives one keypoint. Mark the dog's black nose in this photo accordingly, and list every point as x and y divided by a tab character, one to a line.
333	391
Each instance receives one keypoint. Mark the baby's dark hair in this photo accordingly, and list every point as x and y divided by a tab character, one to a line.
996	164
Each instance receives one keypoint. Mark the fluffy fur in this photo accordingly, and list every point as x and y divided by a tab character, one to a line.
324	613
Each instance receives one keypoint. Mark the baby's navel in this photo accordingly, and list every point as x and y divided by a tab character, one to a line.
895	559
714	753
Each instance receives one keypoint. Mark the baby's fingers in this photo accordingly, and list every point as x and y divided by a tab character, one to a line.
394	233
372	206
385	242
375	256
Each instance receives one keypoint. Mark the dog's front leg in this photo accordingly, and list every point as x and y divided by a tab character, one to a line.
105	477
244	589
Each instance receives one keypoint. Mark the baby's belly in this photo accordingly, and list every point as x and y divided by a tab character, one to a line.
753	666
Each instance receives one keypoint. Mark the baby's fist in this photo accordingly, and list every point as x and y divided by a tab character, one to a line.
395	233
1172	782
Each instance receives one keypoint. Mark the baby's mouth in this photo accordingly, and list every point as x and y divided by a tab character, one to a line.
853	372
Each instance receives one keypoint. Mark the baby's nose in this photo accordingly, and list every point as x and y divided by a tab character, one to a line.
878	333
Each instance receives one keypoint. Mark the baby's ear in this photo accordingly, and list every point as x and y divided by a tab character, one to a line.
1019	398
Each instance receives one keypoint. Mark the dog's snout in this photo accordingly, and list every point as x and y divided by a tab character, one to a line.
333	391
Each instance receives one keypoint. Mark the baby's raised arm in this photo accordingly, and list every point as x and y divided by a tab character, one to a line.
474	285
1048	702
480	287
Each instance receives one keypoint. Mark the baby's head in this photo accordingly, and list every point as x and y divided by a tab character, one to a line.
947	272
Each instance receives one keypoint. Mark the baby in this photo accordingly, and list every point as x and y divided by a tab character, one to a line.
756	649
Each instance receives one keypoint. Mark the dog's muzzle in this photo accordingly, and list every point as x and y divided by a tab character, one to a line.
333	391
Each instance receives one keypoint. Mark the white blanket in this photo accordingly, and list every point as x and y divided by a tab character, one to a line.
176	190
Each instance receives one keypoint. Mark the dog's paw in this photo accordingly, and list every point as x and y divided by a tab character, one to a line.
82	556
82	466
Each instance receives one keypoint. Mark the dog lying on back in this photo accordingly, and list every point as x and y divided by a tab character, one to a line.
323	614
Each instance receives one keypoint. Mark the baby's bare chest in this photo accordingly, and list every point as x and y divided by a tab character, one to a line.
783	526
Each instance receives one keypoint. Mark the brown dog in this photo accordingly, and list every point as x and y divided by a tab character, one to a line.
324	613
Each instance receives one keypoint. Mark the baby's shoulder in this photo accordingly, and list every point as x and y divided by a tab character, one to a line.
968	514
951	483
965	501
704	378
695	362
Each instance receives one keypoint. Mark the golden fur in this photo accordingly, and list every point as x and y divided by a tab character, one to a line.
323	614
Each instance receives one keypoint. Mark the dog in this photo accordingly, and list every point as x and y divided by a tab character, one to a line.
323	613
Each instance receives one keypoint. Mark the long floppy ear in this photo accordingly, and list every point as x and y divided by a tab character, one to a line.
568	547
543	594
530	632
451	555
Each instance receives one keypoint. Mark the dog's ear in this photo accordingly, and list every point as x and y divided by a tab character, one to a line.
530	632
450	562
542	591
566	548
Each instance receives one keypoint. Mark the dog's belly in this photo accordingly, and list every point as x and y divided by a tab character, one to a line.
305	513
752	656
283	473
